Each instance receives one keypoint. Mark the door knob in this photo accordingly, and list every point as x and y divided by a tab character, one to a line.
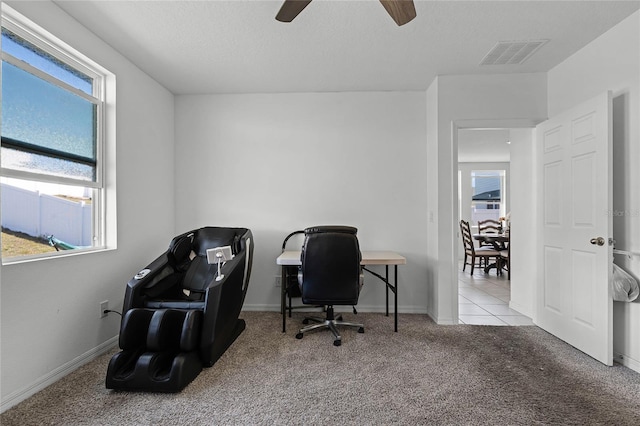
597	241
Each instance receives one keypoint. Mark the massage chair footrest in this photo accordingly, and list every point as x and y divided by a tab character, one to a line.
159	350
152	371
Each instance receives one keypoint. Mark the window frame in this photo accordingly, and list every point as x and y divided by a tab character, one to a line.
498	205
103	96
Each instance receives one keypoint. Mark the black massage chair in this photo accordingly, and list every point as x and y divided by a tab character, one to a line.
181	313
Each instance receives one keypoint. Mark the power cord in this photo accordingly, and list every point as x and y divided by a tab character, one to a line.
106	311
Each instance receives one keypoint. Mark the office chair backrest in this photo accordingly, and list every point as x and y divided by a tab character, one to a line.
330	266
293	241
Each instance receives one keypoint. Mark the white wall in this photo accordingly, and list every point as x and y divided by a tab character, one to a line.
433	189
457	101
50	308
523	202
279	162
612	62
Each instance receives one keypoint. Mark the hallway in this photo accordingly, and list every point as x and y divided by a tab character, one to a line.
483	299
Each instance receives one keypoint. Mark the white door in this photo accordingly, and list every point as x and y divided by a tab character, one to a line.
573	300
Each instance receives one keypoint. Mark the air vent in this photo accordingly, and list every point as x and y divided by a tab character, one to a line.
512	52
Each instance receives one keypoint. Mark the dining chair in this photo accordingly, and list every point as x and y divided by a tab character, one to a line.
505	258
488	226
470	251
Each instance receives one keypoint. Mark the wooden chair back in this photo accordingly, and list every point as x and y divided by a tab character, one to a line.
467	239
489	226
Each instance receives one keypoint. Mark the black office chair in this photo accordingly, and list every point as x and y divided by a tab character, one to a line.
330	275
180	314
290	286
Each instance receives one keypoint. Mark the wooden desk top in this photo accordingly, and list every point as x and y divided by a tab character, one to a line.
369	257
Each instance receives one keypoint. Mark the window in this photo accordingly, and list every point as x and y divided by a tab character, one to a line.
53	141
487	194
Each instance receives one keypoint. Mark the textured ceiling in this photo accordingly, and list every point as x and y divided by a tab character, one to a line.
238	47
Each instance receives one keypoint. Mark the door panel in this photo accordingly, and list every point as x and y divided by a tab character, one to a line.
573	300
584	197
553	291
552	194
583	288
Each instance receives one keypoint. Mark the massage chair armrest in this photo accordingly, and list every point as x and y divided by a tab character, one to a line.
243	260
147	277
227	270
224	300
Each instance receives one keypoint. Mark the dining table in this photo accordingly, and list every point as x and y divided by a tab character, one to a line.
499	241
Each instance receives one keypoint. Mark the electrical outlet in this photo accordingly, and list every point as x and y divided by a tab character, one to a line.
278	281
103	307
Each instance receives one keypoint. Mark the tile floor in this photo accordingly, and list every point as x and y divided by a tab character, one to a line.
483	299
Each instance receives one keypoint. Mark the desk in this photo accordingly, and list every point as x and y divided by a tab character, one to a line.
386	258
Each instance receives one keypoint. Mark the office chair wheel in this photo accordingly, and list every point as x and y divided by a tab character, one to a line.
337	342
305	321
299	336
361	330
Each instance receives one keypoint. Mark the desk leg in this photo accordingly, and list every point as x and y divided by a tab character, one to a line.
393	287
386	278
395	300
283	304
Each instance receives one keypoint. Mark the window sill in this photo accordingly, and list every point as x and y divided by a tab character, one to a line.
54	255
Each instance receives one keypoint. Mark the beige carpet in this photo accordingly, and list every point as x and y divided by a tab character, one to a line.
424	374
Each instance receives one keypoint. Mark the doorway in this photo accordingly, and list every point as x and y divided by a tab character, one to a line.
488	153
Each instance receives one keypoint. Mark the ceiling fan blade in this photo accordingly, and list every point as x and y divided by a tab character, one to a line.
402	11
290	9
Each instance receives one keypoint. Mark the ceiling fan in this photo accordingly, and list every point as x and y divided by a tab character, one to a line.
402	11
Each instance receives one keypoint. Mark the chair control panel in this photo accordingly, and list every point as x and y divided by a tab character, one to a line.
140	275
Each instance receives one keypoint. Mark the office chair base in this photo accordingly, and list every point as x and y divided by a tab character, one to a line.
330	324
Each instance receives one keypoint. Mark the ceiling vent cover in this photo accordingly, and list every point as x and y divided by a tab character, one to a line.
512	52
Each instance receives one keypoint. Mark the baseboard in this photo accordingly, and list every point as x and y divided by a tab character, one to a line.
20	395
260	308
627	361
520	308
360	308
445	321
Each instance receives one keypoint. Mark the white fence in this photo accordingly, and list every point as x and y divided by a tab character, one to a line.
41	215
